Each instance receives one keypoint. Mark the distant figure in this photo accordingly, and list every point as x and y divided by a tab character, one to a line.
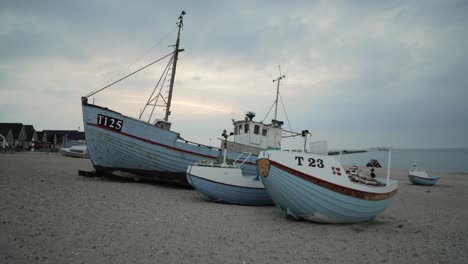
372	174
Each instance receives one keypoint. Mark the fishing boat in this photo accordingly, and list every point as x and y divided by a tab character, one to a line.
316	187
123	146
222	181
77	151
419	176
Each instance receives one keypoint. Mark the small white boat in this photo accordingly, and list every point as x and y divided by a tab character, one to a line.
419	176
317	188
223	181
80	151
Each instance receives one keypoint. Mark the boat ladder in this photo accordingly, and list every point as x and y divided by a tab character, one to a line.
240	160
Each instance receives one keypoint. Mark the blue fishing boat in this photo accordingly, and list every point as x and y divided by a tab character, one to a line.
222	181
419	176
316	187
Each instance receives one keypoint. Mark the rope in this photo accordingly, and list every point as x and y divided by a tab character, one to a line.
150	99
284	109
165	36
156	44
286	114
268	112
123	78
160	89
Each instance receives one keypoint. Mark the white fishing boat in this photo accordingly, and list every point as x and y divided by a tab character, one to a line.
316	187
419	176
222	181
78	151
124	146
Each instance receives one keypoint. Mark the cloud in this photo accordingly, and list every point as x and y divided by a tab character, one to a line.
357	73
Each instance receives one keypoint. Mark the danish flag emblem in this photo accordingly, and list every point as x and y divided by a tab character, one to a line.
336	171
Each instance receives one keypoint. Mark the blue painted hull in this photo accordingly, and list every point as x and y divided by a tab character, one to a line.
423	181
301	199
144	151
218	192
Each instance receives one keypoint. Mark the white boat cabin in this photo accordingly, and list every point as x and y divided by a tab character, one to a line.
252	136
162	124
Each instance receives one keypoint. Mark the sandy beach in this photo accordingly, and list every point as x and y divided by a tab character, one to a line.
49	214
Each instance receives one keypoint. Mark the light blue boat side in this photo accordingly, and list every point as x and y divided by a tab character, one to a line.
144	150
431	180
304	200
223	193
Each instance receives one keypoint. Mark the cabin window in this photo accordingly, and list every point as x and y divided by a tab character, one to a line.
240	129
256	129
246	128
235	130
264	132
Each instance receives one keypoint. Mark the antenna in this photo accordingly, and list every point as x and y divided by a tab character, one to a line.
277	89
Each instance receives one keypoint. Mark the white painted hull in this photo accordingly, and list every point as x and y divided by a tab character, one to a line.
420	177
75	152
141	150
227	185
316	187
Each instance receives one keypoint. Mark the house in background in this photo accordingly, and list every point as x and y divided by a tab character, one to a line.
61	138
38	137
19	136
3	137
26	135
12	134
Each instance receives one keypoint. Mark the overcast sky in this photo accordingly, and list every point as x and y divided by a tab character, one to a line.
358	73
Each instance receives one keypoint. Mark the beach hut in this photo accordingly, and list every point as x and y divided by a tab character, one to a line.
60	138
11	134
26	136
3	137
38	139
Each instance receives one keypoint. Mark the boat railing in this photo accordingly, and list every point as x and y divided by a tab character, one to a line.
242	158
356	175
198	144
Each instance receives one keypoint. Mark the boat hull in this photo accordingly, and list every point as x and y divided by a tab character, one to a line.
227	185
136	149
426	181
75	152
316	197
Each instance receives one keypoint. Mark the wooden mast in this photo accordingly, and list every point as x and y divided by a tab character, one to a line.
180	24
277	93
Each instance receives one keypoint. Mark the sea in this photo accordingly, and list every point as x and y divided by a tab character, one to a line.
450	160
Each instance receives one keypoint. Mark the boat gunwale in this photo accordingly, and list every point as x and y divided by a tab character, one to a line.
246	187
360	194
179	138
430	177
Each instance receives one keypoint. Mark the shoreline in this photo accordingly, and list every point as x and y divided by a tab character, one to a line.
434	161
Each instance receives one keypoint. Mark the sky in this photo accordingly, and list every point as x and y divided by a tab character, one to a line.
358	73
